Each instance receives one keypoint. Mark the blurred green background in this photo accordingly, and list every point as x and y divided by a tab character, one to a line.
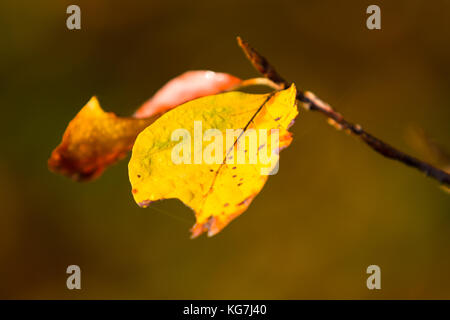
334	208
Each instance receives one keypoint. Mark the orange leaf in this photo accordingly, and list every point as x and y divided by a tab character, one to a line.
95	139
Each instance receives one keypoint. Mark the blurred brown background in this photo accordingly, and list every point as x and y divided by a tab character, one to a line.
334	208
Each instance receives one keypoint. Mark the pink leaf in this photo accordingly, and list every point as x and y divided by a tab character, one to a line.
188	86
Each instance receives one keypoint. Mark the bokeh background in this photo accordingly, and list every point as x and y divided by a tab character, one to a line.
334	208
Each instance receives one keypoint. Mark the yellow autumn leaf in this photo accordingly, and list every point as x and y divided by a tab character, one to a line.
188	154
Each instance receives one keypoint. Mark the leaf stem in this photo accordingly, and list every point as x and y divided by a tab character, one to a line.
257	82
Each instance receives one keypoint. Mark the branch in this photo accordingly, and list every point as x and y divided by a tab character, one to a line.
311	102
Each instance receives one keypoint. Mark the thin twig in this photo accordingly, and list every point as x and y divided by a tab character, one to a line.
311	102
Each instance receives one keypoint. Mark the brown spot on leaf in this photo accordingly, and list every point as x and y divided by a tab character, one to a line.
243	202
